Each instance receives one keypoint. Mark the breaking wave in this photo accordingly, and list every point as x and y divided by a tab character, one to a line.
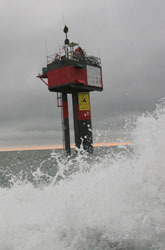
115	201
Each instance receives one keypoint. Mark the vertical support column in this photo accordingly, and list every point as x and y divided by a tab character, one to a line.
82	121
66	132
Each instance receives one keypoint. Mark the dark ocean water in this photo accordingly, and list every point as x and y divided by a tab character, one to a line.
114	200
23	165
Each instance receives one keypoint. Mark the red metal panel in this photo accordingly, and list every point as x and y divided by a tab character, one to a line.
83	115
65	110
65	75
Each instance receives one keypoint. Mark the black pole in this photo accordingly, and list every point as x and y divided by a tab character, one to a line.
82	121
66	123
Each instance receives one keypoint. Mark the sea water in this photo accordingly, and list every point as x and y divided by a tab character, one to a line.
114	200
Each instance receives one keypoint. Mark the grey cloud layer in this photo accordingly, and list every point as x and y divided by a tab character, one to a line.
128	35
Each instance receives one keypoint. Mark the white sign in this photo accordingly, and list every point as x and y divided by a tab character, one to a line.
93	76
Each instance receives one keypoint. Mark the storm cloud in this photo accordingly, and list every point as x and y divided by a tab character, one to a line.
127	35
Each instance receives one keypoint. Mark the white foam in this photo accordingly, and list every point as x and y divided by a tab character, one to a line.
119	201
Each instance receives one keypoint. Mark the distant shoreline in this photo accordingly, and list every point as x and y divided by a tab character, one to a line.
51	147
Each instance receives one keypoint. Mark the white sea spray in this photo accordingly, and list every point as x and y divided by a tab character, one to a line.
117	203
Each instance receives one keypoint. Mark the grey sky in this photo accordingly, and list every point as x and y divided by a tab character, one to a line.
129	36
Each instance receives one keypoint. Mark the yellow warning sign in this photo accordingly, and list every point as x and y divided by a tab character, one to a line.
84	102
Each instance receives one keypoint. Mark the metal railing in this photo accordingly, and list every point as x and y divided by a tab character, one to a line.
65	53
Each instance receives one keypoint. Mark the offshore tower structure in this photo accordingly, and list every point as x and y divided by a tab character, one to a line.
72	71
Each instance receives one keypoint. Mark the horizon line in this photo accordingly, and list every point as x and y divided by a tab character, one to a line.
59	146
